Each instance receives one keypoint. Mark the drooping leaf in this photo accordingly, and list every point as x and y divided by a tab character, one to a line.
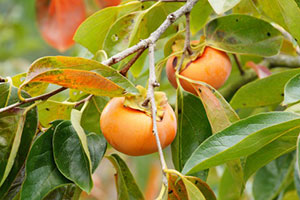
291	90
5	89
227	191
243	34
237	140
92	32
193	127
50	111
284	144
271	179
90	119
70	156
125	183
221	6
199	15
58	21
11	128
285	13
79	73
97	147
11	184
263	92
42	175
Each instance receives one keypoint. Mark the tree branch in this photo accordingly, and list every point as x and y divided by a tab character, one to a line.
284	61
131	62
186	8
150	96
41	97
238	63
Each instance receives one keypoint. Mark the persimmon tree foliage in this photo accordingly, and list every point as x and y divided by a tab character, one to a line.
246	128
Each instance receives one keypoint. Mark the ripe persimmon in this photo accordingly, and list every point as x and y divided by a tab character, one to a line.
130	131
212	67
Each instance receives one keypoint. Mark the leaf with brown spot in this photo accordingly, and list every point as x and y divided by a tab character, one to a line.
78	73
58	21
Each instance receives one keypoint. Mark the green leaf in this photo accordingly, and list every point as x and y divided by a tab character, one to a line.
243	34
246	7
90	119
70	156
26	138
125	183
237	140
199	15
97	147
78	73
192	190
291	90
273	150
11	128
271	179
193	127
5	89
227	190
221	6
297	178
285	13
92	32
50	111
42	175
67	192
252	94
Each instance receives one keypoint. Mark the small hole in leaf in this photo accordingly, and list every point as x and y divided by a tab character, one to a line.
179	189
179	111
47	109
196	182
143	7
282	94
244	104
269	34
132	21
174	63
296	40
170	192
236	20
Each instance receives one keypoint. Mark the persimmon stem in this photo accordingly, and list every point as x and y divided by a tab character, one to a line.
41	97
131	62
187	42
238	64
150	95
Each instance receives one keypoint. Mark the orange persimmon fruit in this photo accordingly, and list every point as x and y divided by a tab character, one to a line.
212	67
130	131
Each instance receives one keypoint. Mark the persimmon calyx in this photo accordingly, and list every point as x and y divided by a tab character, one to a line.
136	102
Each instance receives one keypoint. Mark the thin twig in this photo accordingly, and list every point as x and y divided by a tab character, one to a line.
83	100
187	42
150	95
154	36
131	62
41	97
238	63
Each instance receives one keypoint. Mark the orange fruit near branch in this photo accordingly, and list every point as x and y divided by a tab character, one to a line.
130	131
212	67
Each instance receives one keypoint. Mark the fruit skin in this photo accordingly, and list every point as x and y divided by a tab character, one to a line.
212	67
130	131
107	3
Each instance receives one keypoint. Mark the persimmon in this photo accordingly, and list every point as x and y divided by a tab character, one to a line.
107	3
212	66
130	130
